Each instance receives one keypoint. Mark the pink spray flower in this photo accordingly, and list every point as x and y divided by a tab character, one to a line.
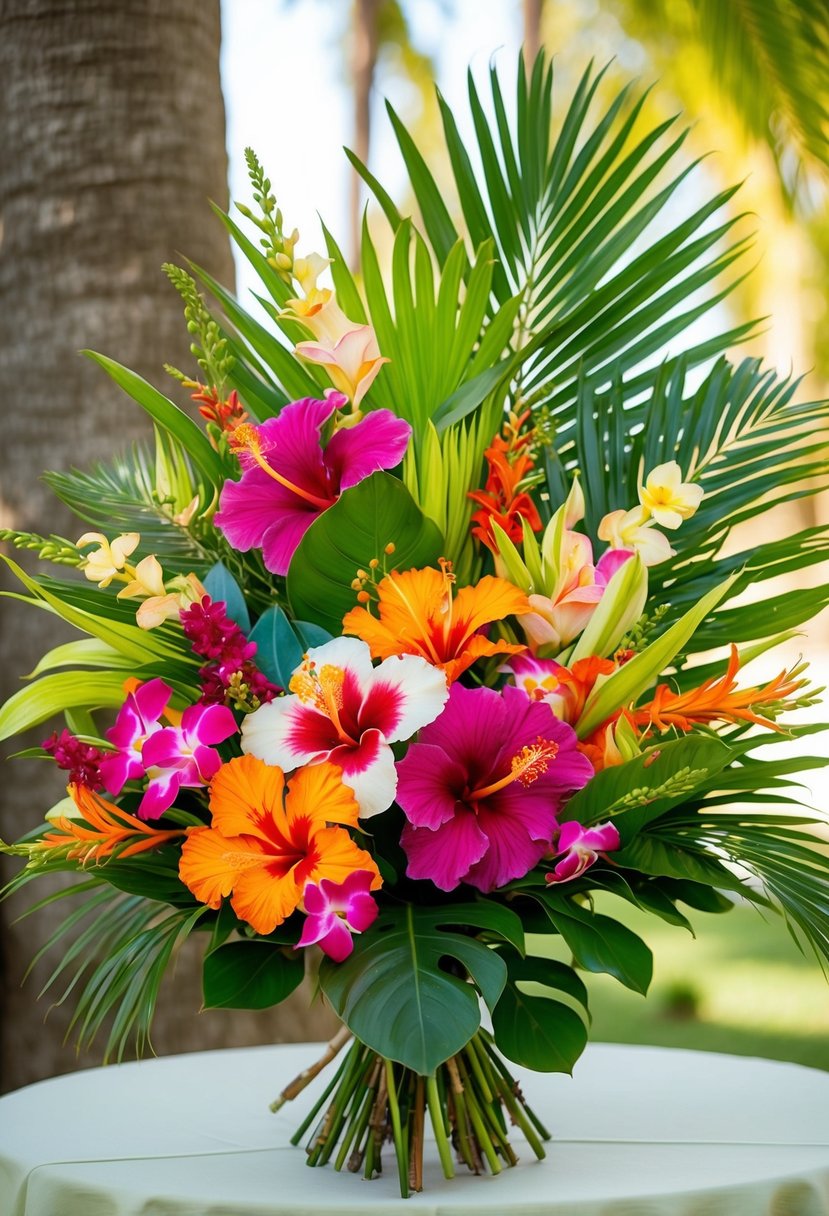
179	757
138	718
482	787
171	756
291	474
335	910
579	847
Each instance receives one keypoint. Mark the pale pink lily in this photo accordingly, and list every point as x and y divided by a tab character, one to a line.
557	619
335	910
344	710
579	848
352	361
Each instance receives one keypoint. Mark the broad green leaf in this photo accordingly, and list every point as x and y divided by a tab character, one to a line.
642	789
599	943
278	650
345	538
88	652
536	1031
250	975
220	584
52	694
167	415
621	605
397	999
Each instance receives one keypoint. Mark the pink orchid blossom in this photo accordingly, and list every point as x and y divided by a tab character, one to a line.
482	787
290	474
138	718
579	847
170	756
557	619
335	910
179	757
344	710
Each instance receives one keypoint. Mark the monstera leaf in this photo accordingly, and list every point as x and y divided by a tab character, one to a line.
377	512
397	993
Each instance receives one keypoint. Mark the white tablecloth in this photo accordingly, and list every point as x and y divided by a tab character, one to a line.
638	1131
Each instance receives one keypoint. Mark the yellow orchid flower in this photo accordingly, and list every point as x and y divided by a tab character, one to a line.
103	564
667	497
634	530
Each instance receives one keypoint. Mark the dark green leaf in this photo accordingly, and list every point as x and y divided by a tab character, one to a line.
250	975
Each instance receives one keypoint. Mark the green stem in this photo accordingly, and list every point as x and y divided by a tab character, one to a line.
481	1134
397	1132
436	1109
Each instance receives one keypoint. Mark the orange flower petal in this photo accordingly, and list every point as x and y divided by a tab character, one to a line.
316	793
489	600
210	864
264	898
339	856
246	799
478	647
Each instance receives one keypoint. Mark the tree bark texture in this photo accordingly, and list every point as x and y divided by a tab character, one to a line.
364	46
532	30
112	130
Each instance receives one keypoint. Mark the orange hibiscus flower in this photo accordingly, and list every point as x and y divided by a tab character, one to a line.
268	839
420	615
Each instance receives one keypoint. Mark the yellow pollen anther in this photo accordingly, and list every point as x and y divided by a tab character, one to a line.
374	563
526	767
245	440
389	549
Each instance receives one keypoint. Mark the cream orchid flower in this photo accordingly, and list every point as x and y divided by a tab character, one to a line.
184	590
147	580
103	564
633	530
667	497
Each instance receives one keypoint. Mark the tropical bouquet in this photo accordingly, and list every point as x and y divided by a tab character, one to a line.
429	635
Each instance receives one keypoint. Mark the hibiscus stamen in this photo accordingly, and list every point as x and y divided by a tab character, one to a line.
446	601
246	439
526	767
323	690
424	641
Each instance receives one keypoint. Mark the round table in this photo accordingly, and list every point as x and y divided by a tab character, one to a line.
638	1131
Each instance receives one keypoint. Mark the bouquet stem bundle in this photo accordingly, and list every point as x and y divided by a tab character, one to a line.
470	1101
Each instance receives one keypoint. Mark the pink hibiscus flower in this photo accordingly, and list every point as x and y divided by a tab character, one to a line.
344	710
482	787
290	475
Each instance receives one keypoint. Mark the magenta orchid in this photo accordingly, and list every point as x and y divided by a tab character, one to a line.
170	756
579	847
291	474
344	710
138	718
180	757
335	910
482	787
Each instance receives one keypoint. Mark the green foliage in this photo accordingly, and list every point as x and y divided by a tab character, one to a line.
250	975
535	1030
398	999
345	538
597	942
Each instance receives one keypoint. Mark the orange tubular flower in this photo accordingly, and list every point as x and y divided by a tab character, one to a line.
267	840
501	500
717	700
419	615
101	832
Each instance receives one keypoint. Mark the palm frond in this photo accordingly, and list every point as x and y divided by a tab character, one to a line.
580	229
772	63
114	947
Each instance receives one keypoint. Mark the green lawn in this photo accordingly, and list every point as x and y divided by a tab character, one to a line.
742	986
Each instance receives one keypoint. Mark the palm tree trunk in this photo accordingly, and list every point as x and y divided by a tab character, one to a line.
532	10
112	128
363	63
